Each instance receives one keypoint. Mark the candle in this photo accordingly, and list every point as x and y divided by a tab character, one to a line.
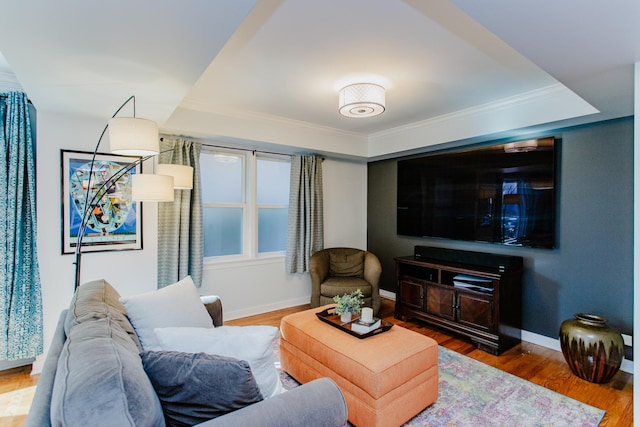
367	314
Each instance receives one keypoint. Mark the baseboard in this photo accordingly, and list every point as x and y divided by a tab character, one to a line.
260	309
544	341
387	295
10	364
554	344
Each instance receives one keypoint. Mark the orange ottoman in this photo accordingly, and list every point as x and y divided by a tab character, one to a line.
386	379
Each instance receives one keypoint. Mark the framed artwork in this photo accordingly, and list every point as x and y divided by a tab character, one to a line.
115	221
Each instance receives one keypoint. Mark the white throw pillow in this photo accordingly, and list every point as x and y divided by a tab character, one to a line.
175	305
253	344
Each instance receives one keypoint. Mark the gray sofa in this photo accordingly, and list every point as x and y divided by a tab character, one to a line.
93	375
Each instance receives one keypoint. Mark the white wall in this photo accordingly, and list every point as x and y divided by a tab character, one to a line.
246	289
345	204
129	272
254	287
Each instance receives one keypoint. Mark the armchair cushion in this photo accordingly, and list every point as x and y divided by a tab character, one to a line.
344	285
346	265
197	387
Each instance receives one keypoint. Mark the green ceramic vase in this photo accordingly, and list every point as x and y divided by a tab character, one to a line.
593	350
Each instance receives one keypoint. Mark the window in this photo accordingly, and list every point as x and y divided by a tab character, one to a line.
245	204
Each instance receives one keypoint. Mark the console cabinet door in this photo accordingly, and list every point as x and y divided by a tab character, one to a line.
441	302
476	311
411	294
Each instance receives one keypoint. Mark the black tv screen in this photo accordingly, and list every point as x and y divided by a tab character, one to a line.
502	193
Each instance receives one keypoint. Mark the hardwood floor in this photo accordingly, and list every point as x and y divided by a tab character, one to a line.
531	362
16	393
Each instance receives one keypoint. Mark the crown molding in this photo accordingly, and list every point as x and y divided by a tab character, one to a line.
551	103
195	104
545	105
480	110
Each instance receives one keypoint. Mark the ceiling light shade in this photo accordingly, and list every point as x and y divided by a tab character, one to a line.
152	188
521	146
133	137
182	175
361	100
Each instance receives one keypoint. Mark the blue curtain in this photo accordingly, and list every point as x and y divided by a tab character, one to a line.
20	292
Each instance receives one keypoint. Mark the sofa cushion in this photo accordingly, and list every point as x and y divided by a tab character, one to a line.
178	304
196	387
97	300
342	264
255	344
100	380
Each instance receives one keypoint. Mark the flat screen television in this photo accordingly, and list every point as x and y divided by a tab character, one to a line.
503	193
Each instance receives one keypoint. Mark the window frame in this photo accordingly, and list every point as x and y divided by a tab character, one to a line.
249	205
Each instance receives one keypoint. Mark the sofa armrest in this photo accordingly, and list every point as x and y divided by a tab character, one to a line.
40	412
318	403
213	304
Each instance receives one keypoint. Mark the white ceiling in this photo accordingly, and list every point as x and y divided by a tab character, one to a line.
268	72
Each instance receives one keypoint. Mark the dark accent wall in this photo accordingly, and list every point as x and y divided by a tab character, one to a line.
591	268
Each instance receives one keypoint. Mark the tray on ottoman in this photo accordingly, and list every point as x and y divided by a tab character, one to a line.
327	316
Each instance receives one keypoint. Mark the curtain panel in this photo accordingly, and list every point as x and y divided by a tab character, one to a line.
180	242
305	228
20	288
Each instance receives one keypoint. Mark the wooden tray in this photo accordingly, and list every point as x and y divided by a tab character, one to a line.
327	316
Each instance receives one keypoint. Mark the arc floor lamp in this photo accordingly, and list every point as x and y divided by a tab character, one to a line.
134	137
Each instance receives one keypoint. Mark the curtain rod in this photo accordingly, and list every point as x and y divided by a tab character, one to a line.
253	150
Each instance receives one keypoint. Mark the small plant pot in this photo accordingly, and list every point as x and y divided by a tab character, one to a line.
345	317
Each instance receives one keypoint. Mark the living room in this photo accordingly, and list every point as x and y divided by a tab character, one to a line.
590	269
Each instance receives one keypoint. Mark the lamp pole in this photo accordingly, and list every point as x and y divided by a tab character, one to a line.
90	199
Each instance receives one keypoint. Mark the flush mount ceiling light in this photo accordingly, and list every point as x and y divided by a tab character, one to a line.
361	100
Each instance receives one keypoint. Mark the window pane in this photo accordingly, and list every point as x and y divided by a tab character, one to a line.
272	229
222	231
221	177
273	182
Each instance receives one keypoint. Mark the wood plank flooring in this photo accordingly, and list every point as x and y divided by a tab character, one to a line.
16	393
531	362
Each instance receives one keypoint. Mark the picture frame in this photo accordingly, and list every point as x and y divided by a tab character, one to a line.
115	222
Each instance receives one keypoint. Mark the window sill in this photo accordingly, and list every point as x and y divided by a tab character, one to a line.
242	262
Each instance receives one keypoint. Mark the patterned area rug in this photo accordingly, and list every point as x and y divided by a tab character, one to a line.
472	393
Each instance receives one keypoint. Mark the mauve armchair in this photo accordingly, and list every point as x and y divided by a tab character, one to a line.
336	271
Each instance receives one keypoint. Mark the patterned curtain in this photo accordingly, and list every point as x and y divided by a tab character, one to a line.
306	229
180	243
20	292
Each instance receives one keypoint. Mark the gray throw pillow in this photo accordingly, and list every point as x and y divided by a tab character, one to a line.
196	387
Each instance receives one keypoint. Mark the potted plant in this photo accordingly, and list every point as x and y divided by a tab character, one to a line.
348	304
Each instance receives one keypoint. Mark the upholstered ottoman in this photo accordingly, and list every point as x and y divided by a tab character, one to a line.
386	379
